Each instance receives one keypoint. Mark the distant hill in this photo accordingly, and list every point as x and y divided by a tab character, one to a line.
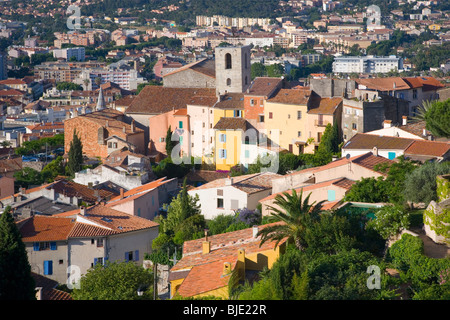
188	9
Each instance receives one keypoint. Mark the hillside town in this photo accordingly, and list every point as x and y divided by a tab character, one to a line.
225	157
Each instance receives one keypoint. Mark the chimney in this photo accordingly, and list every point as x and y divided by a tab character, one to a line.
404	120
121	193
255	231
83	211
226	268
229	181
107	123
124	129
206	246
424	132
38	293
387	123
375	151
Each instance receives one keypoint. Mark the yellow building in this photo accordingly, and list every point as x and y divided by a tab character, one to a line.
229	134
231	105
434	27
210	265
285	119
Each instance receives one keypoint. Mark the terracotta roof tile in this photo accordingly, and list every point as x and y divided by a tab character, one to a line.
264	86
324	105
157	99
226	123
428	148
231	101
384	84
369	141
43	228
291	96
249	183
73	189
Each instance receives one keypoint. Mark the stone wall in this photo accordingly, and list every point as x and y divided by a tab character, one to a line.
189	79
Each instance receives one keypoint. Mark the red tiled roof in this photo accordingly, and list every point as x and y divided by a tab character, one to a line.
291	96
325	105
369	141
263	86
43	228
340	182
428	148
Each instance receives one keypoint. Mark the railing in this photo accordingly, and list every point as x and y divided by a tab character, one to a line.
321	123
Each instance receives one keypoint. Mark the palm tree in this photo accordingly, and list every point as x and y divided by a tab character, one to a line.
421	111
296	214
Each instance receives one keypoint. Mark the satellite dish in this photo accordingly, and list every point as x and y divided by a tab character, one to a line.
347	156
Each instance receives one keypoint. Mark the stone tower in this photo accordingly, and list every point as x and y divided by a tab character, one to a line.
232	69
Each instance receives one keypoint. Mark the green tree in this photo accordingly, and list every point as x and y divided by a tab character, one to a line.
437	118
27	177
16	282
370	190
169	143
420	184
75	155
115	281
390	221
275	70
295	213
258	69
53	169
68	86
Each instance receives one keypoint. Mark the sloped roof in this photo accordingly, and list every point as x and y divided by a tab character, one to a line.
340	182
229	123
158	99
203	272
43	228
204	66
384	84
263	86
249	183
73	189
48	288
231	101
368	141
291	96
428	148
324	105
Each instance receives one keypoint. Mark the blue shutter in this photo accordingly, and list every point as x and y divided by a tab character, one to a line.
48	267
95	261
136	255
331	195
52	245
391	155
35	246
126	256
180	124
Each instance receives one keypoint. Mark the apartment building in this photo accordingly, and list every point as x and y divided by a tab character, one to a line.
367	64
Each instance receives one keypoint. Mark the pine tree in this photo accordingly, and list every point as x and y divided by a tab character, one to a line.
75	155
169	142
16	282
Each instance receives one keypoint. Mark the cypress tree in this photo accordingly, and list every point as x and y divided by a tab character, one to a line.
16	282
75	155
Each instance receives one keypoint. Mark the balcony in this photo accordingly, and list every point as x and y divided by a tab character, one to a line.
321	123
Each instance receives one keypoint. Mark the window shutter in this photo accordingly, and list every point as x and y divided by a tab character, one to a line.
95	261
136	255
36	246
126	256
48	267
52	245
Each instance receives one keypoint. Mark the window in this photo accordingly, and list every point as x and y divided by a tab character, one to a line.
252	102
180	124
270	115
139	212
61	261
219	192
162	139
98	261
414	93
48	267
228	82
237	113
261	118
99	243
228	61
223	137
192	132
299	134
222	153
128	256
354	126
299	115
219	203
114	145
109	145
